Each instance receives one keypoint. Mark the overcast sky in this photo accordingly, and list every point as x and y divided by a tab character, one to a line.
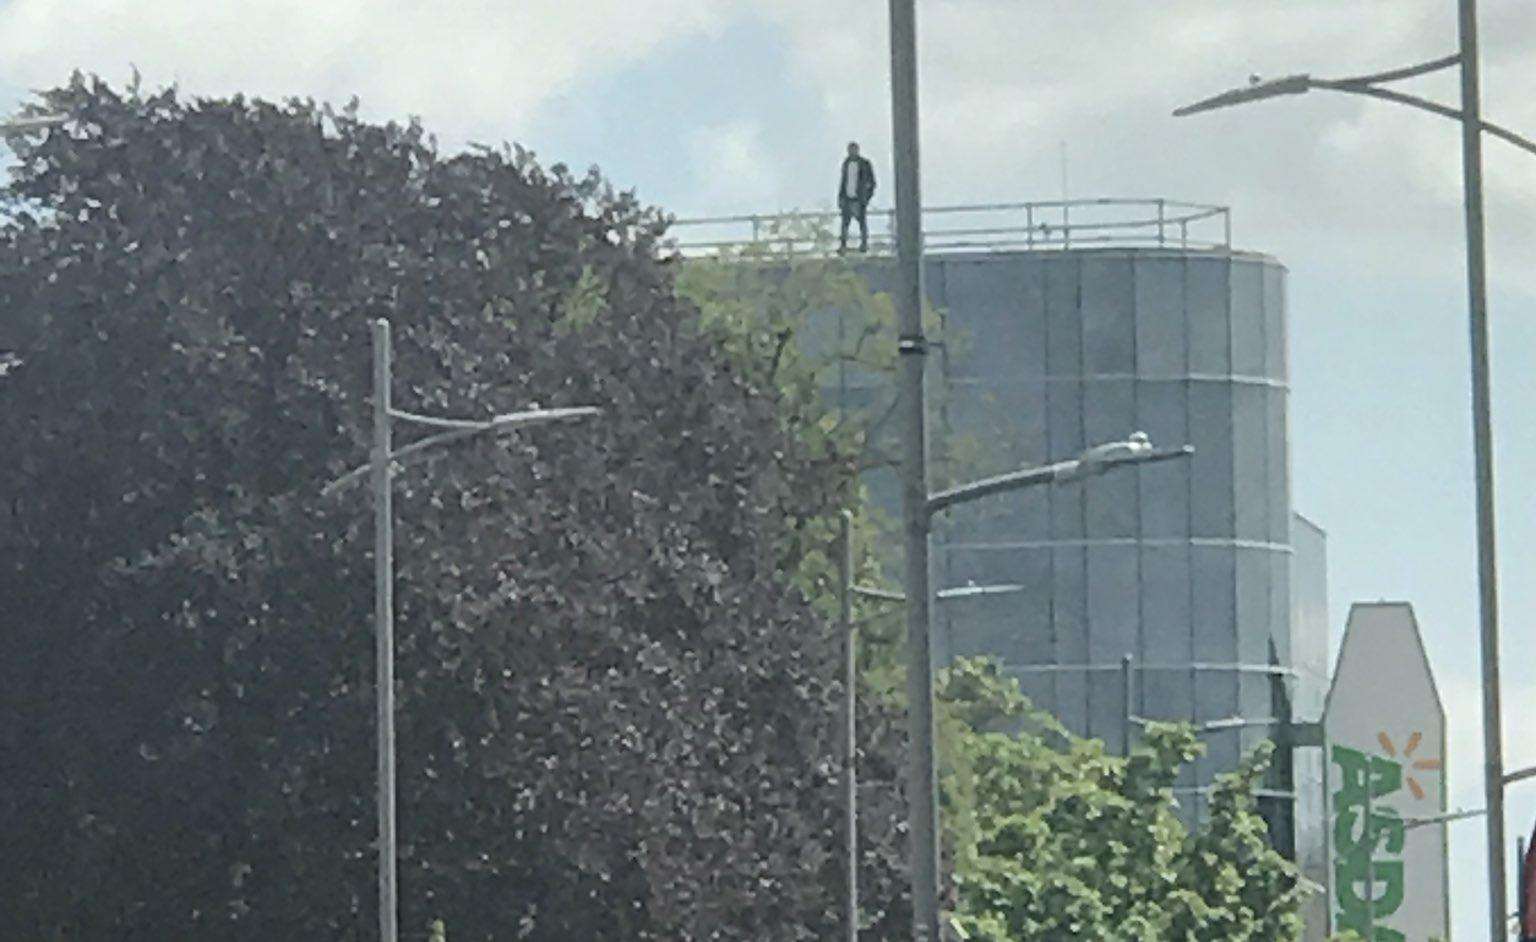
716	106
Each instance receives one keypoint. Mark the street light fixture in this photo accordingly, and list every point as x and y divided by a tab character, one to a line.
1411	823
849	707
381	469
1356	85
35	123
1472	125
1135	450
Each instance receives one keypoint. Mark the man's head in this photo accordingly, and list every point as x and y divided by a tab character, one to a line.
853	149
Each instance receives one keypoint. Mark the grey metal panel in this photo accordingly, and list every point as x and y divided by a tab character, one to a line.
973	636
1109	315
1223	750
1165	625
1033	570
1166	637
1253	638
1309	616
1106	708
1027	282
935	280
1213	581
1247	312
1250	462
1064	438
994	428
996	339
1109	414
968	314
1280	622
1027	425
1162	411
1063	317
1069	617
1039	688
969	636
1214	578
1160	324
1114	605
1206	300
1004	332
1015	628
1276	355
1210	431
1279	467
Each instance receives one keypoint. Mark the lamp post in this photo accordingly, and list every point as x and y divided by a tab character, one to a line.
912	348
918	506
380	470
1472	128
849	718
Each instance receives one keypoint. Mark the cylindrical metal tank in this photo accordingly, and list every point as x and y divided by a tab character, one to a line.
1183	567
1162	592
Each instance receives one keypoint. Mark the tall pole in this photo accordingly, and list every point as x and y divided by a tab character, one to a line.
850	732
1127	693
384	628
922	776
1482	438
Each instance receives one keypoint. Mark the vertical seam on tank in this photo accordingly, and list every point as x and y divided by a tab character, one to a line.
1140	639
1189	516
1082	489
1046	267
1043	279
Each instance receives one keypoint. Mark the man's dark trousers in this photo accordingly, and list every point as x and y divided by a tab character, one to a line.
854	209
853	205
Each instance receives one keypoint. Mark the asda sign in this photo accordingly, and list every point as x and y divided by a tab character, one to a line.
1384	730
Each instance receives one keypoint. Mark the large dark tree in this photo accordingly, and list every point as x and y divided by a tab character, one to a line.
615	714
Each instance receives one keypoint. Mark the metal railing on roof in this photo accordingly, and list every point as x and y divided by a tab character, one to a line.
1041	224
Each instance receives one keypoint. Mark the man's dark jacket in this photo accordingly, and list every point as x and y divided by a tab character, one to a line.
866	179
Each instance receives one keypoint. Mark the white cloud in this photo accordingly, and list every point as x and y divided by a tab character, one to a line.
733	166
473	68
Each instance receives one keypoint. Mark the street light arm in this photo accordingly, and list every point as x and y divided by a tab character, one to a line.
1411	823
875	592
1012	481
1424	104
1061	471
1290	85
1523	774
1397	75
22	125
1357	85
527	417
459	429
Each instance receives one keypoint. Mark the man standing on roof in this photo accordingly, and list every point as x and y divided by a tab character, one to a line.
855	186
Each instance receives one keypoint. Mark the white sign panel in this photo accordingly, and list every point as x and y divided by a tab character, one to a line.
1384	730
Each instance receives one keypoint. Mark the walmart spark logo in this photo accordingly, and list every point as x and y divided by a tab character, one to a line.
1422	765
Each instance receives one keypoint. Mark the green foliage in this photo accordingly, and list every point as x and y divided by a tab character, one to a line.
800	327
1054	838
614	713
